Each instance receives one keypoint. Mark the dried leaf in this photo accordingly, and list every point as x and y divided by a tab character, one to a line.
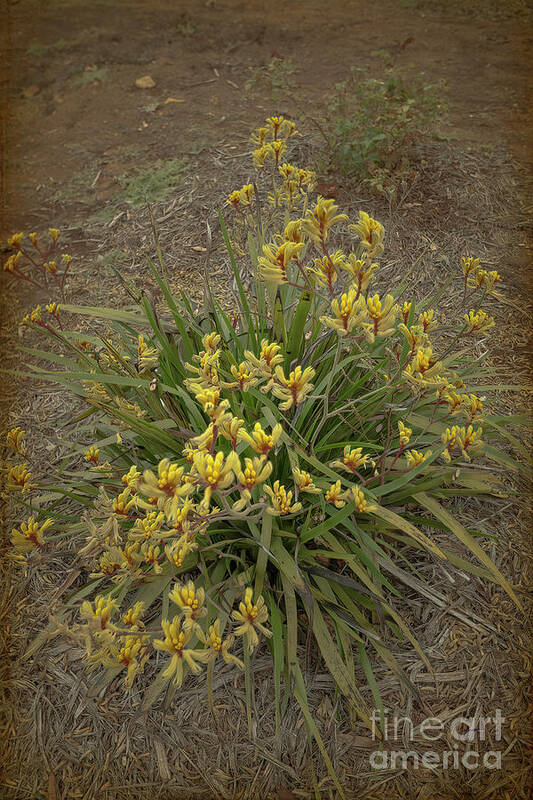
146	82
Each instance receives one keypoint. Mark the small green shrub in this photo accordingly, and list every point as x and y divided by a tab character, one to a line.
272	473
276	76
370	125
89	76
153	183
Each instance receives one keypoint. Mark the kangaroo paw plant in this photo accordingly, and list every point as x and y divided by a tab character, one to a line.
254	476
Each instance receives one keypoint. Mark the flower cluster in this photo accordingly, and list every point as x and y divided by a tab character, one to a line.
37	263
123	642
240	451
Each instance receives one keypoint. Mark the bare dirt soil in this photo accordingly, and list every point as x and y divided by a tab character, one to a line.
77	132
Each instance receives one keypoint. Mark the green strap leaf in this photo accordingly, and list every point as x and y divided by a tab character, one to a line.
462	534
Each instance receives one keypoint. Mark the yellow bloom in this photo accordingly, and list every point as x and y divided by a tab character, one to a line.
210	342
325	269
361	271
371	232
360	501
18	477
14	440
131	478
30	535
405	434
95	392
259	136
415	335
256	471
269	358
454	401
99	616
427	320
348	314
175	642
147	357
54	232
230	430
189	600
244	379
415	457
206	373
335	495
492	279
281	501
448	439
166	487
15	240
277	148
216	472
34	316
474	405
406	310
463	439
208	398
293	231
317	222
180	519
242	196
133	655
276	259
234	198
123	503
478	321
294	389
178	550
279	127
110	562
53	309
304	482
247	193
468	439
215	408
352	460
132	617
150	555
261	154
204	441
51	267
383	315
91	455
424	369
296	183
189	451
484	278
470	266
33	238
11	263
217	646
148	526
261	441
252	617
